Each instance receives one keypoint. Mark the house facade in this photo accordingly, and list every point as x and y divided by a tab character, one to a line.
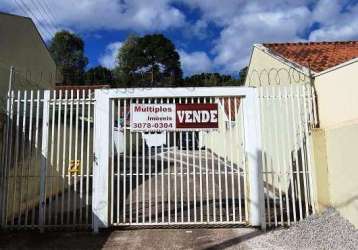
331	68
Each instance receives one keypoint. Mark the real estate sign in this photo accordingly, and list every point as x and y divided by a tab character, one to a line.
169	117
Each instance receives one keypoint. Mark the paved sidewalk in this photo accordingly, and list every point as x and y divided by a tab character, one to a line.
229	238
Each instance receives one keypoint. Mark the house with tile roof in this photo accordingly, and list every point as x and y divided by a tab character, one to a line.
332	69
331	66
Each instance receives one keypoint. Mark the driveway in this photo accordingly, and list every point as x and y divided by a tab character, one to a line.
219	238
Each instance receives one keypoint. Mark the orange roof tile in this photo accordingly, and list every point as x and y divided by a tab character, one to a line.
317	56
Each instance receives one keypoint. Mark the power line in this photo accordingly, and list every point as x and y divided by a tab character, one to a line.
42	13
49	11
30	13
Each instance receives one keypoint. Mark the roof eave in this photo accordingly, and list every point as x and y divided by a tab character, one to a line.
303	69
354	60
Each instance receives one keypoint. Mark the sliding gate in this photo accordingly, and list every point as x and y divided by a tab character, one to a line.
154	168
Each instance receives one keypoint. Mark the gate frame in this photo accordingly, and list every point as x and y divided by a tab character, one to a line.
102	135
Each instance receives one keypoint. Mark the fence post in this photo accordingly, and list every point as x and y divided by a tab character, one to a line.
44	152
100	192
253	147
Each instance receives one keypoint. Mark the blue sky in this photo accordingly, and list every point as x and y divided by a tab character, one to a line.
209	35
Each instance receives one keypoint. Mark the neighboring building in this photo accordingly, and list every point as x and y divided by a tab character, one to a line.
331	66
22	47
332	69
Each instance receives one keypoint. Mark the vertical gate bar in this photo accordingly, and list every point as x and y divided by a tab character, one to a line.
294	114
270	169
137	172
156	179
149	178
124	157
143	172
175	173
232	156
276	99
83	102
284	172
44	155
181	172
50	166
298	172
244	157
309	151
118	157
64	158
262	101
288	136
76	158
238	122
29	157
187	170
212	100
206	171
37	150
88	153
23	135
225	166
58	179
16	156
169	171
200	173
273	170
219	172
162	172
112	177
10	157
130	168
194	168
69	159
300	101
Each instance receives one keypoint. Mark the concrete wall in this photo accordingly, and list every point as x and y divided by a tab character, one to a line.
21	46
337	93
336	160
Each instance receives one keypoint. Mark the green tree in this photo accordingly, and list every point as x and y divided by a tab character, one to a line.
67	49
212	79
98	75
151	60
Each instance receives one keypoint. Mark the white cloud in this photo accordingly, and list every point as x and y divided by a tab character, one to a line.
335	24
195	62
241	23
108	59
232	49
89	15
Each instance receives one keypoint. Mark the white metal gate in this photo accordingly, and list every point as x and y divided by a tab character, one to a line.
288	114
177	177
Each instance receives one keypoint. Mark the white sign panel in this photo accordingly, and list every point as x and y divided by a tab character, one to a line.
152	117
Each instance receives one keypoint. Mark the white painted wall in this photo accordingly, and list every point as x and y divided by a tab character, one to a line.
337	93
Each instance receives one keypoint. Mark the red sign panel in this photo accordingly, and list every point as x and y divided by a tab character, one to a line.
197	116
